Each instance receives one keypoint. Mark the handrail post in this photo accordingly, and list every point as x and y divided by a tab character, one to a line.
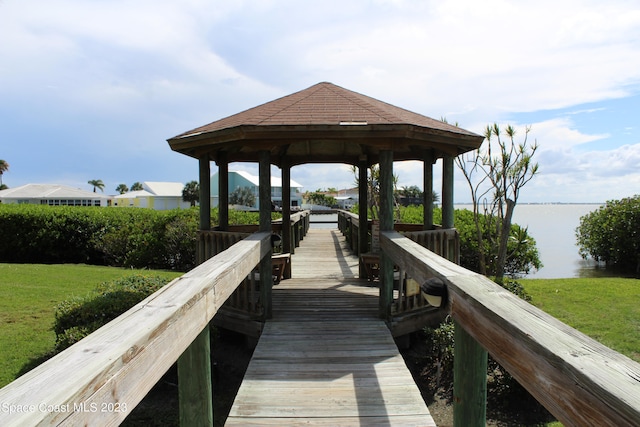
469	380
195	388
194	382
386	224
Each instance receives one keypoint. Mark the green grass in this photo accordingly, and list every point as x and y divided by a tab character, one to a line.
28	296
606	309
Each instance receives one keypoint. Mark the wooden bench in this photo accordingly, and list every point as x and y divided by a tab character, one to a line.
279	264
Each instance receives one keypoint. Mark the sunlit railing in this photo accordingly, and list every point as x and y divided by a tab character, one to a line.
100	379
579	380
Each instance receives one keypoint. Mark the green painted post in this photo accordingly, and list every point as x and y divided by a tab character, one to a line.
194	365
264	189
223	192
447	192
427	194
469	381
363	229
195	393
386	224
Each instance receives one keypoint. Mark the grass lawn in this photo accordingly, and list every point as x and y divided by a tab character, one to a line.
606	309
28	296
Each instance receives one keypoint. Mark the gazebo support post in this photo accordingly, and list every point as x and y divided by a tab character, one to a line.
223	192
287	246
363	222
195	389
264	181
427	194
447	192
386	224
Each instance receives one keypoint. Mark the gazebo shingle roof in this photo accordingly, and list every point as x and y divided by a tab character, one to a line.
325	123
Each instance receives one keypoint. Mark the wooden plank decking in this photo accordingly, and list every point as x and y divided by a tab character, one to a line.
325	358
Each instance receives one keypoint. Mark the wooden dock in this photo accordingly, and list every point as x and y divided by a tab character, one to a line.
325	359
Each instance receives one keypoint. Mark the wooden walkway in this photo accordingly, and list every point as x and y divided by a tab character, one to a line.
325	359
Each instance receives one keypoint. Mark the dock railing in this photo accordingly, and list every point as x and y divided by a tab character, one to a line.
408	310
580	381
100	379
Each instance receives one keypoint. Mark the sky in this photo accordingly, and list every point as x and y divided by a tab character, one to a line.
92	89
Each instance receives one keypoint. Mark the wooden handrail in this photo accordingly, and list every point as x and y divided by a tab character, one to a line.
579	380
100	379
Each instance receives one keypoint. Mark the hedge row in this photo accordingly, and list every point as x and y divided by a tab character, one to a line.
123	237
127	237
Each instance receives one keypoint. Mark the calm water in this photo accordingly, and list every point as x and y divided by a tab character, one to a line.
553	227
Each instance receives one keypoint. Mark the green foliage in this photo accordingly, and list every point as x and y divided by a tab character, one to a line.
612	234
28	296
501	387
320	199
522	256
242	196
125	237
191	192
77	317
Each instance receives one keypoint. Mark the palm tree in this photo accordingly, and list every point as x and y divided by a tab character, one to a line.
97	183
4	167
191	192
137	186
122	188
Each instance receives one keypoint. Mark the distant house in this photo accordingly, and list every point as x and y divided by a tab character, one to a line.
52	195
154	195
241	179
347	198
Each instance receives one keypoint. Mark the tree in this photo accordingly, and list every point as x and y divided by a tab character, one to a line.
373	190
4	167
122	188
191	192
320	199
612	234
97	183
136	186
242	196
501	178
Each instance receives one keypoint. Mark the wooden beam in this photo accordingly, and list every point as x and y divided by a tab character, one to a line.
469	380
579	380
195	390
286	207
205	193
363	226
447	192
223	192
264	179
112	369
386	224
427	193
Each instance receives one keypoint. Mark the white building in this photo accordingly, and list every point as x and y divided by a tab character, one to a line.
154	195
239	179
52	195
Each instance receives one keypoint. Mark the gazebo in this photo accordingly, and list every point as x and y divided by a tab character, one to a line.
326	123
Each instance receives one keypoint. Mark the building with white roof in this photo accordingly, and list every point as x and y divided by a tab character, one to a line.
239	179
52	195
154	195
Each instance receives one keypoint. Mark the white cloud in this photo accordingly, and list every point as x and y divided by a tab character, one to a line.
108	79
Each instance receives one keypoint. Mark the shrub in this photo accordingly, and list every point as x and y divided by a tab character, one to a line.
503	390
612	234
523	254
77	317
